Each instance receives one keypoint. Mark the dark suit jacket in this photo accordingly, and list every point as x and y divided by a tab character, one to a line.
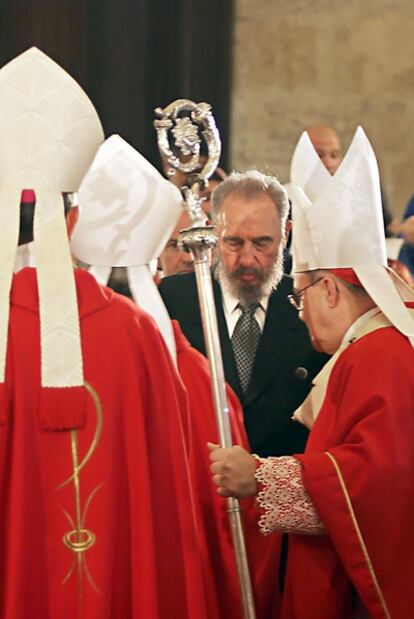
282	373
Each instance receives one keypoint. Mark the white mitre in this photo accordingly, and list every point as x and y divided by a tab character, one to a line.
49	134
128	212
338	223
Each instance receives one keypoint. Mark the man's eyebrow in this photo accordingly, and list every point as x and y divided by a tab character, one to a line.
232	238
265	237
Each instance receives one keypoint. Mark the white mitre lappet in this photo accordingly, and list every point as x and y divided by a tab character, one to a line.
128	212
49	134
338	223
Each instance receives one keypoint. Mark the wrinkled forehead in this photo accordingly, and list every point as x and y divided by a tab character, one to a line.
255	215
184	221
300	280
326	141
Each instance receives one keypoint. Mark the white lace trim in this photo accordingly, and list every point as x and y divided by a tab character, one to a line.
283	499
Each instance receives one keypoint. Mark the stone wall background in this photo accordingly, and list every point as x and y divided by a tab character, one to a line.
297	62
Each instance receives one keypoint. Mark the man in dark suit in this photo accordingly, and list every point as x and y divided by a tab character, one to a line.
250	211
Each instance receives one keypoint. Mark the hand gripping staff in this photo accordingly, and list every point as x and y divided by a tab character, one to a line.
181	127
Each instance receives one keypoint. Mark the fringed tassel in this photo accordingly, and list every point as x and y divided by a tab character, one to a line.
63	408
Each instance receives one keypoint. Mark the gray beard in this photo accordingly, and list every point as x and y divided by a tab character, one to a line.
246	292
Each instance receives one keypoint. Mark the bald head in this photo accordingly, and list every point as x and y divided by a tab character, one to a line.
327	144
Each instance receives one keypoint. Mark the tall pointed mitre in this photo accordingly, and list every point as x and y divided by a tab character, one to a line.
128	212
338	223
49	134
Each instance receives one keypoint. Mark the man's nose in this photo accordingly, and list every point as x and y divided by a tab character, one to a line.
329	163
186	256
326	160
247	254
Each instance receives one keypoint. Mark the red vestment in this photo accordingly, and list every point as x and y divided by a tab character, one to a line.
97	523
358	469
219	565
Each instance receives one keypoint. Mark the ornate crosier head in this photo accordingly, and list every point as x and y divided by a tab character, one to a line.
189	141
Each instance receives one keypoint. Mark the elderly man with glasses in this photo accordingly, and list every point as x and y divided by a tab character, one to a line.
347	502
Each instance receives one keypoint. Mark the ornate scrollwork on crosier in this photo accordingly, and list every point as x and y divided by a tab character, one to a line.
184	124
184	119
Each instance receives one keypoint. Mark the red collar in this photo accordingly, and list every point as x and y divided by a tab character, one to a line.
91	295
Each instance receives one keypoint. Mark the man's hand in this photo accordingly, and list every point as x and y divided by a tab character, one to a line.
233	471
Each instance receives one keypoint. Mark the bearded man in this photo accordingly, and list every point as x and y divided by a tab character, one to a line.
348	503
267	355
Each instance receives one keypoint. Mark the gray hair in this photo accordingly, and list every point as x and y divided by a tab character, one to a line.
249	185
358	291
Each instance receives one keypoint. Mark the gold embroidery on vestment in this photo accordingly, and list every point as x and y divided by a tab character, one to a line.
79	539
359	535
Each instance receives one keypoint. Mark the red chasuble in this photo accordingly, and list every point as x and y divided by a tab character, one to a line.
219	564
97	523
358	469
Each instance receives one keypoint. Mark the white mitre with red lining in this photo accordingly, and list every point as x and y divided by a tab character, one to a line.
49	134
338	223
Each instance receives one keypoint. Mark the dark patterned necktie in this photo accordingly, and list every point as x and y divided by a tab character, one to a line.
245	340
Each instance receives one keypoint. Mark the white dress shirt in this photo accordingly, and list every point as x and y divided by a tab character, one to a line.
232	311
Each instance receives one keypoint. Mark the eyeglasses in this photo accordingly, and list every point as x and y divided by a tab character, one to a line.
296	297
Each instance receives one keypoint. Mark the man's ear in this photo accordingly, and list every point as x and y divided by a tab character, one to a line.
331	291
72	219
287	231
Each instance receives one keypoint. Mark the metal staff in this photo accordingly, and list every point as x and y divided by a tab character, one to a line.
179	124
